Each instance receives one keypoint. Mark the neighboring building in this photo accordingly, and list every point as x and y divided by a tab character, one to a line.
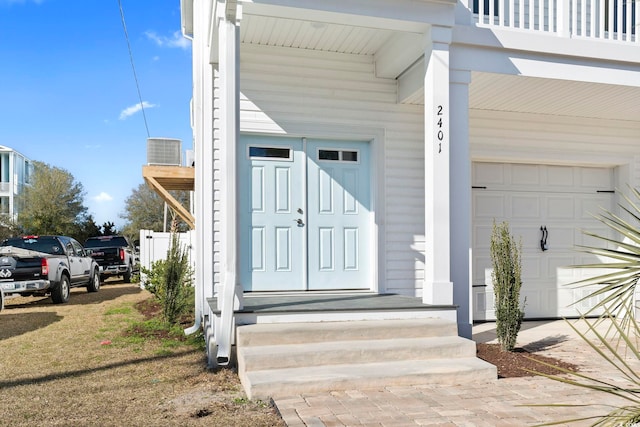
375	142
15	172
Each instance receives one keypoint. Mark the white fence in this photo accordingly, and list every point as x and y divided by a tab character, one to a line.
154	246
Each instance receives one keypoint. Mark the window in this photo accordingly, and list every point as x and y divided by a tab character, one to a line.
270	153
338	155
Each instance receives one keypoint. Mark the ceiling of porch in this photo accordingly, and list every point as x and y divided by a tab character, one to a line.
487	91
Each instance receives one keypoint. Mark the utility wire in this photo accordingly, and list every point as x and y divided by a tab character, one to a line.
135	77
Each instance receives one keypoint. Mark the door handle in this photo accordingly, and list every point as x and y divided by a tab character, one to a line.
299	222
543	239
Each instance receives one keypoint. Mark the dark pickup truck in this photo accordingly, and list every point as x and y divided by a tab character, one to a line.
41	265
115	255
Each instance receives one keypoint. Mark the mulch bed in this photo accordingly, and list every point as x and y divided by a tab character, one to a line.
519	362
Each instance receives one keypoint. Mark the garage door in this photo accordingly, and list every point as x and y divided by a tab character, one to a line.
540	203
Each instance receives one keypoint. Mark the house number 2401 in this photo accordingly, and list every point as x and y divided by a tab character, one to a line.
440	134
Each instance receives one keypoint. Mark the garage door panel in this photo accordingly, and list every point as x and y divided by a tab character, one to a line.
560	238
489	206
560	207
531	268
589	206
527	175
492	174
525	206
596	178
482	237
561	198
559	176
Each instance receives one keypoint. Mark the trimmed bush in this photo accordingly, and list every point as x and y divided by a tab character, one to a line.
506	276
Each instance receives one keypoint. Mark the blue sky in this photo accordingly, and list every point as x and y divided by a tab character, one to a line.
68	95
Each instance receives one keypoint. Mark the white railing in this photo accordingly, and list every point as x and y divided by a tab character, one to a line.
594	19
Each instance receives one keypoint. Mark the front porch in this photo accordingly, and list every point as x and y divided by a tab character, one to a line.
331	307
287	343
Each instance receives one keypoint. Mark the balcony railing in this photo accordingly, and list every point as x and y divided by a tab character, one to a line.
592	19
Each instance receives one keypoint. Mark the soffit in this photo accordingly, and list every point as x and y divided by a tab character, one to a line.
500	92
487	91
312	35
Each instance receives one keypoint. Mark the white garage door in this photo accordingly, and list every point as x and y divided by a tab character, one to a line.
532	199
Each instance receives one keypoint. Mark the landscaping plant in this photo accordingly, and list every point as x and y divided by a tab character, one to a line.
616	302
506	276
170	280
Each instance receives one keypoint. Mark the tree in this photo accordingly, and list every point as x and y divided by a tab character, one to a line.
87	227
109	229
53	203
506	275
144	210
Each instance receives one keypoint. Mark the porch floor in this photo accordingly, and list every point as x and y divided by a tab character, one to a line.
311	302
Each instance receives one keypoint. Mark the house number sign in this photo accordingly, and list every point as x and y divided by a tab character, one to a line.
439	126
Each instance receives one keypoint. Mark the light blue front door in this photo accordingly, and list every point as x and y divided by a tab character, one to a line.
305	214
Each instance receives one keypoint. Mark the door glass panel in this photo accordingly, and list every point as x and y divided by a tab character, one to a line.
270	153
349	156
329	155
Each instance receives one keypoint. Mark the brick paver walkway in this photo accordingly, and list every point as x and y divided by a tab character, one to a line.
494	404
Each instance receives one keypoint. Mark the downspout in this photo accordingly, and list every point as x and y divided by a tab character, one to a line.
229	76
197	309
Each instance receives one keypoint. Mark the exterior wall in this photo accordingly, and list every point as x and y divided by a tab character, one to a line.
282	86
552	139
15	173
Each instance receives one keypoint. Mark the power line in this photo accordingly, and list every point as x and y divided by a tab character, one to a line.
135	77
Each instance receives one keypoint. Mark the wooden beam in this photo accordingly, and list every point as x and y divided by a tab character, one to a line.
167	197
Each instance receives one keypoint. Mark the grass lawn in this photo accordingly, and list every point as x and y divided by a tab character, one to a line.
97	361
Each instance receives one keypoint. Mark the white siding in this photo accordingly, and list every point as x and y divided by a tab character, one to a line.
281	86
538	138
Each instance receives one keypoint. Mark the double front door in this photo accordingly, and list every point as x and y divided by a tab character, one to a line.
305	214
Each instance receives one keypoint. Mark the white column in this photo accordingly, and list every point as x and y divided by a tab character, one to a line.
438	288
229	35
198	125
460	216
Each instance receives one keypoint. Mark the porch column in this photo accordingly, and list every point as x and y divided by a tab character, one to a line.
229	14
461	216
203	174
438	288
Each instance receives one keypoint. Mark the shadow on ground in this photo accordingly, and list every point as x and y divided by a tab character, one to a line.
12	325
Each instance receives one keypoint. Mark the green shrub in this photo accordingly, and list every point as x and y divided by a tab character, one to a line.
170	280
506	276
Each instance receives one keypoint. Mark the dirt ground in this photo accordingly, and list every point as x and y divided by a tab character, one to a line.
75	364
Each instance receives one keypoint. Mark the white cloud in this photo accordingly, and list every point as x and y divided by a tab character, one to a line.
103	197
176	40
130	111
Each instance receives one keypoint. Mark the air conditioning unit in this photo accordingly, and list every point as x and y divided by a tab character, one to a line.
164	151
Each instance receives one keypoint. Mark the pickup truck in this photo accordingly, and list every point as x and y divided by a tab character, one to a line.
41	265
115	255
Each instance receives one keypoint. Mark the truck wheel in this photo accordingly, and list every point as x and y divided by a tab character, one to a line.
60	293
1	299
94	282
127	275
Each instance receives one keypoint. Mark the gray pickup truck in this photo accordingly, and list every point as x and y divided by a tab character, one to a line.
41	265
115	255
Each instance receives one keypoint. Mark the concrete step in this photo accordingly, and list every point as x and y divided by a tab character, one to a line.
299	333
311	379
290	358
358	351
